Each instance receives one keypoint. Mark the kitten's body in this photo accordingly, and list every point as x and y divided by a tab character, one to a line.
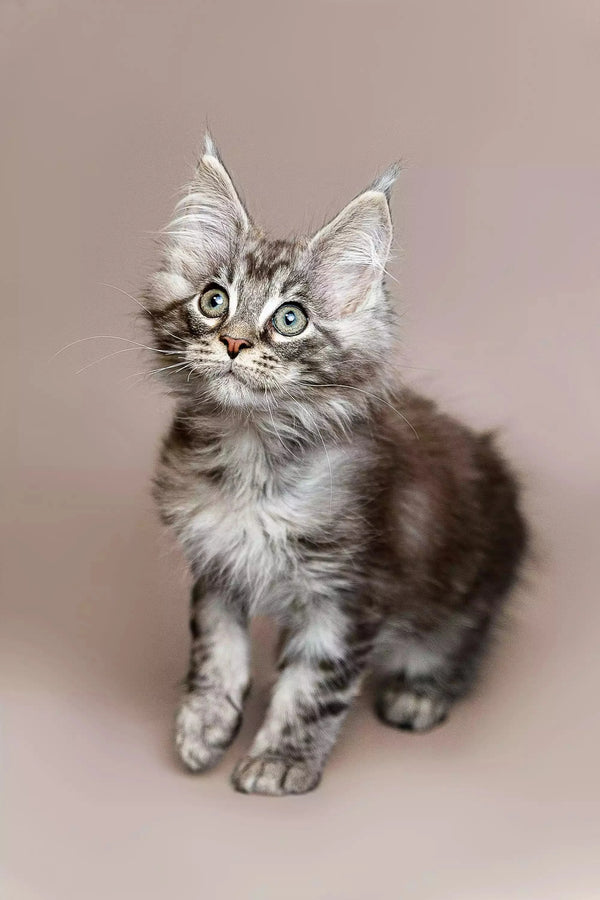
305	483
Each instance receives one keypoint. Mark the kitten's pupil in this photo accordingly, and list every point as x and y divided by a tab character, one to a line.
216	300
290	318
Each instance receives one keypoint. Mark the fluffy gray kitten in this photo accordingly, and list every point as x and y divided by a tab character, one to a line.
304	482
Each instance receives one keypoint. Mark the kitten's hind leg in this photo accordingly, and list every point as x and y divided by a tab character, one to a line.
210	712
426	674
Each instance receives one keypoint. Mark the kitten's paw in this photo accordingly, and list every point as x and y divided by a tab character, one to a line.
205	726
410	710
275	776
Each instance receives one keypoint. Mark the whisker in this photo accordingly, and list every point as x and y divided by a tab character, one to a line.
367	394
324	448
126	350
143	375
94	337
156	371
112	337
126	294
281	441
141	305
330	469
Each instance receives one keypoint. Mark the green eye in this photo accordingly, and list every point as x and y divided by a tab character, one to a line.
289	319
214	302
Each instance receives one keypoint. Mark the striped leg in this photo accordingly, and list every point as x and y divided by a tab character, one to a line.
210	712
321	669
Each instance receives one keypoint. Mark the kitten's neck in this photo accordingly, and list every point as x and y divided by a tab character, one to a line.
286	425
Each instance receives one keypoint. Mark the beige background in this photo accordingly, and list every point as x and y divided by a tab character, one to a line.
495	107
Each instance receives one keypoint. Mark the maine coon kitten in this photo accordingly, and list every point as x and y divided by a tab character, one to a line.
304	482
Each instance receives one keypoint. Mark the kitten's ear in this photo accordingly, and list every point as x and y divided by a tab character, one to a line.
350	253
211	217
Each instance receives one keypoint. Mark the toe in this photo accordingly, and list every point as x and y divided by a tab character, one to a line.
411	711
204	728
274	776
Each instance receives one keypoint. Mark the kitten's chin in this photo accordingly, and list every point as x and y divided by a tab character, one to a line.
230	389
236	388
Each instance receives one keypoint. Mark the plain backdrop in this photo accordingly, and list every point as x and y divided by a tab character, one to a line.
494	108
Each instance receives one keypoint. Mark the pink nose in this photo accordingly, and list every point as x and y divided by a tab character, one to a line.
234	345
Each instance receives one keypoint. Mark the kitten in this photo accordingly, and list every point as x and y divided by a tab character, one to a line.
304	482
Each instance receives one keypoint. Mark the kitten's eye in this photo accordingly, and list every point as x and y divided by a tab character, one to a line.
214	302
290	319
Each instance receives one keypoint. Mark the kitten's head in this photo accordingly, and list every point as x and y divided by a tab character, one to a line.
252	320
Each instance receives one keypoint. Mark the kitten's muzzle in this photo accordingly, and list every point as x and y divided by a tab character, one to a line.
234	345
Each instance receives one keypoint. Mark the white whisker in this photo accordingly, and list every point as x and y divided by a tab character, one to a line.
367	394
127	350
156	371
141	305
329	464
326	453
112	337
143	375
281	441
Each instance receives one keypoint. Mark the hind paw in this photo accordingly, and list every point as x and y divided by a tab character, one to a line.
410	710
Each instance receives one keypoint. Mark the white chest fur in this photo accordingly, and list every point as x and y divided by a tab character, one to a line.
248	523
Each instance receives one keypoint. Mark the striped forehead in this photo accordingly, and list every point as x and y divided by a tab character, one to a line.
268	261
267	272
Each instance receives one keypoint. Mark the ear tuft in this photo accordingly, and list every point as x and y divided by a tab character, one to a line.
210	148
385	182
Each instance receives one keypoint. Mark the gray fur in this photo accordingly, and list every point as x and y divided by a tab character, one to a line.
304	482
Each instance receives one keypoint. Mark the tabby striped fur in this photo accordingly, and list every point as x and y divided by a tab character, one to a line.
304	482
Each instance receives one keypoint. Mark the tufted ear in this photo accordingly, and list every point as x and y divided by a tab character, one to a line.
211	217
350	253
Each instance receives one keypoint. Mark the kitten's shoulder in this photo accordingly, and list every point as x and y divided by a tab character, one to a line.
417	428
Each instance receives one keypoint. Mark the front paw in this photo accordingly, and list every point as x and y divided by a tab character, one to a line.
275	775
205	725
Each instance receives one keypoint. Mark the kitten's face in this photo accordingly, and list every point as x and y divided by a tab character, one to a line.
252	320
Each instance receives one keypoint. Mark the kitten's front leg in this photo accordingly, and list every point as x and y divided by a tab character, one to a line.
210	712
321	669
